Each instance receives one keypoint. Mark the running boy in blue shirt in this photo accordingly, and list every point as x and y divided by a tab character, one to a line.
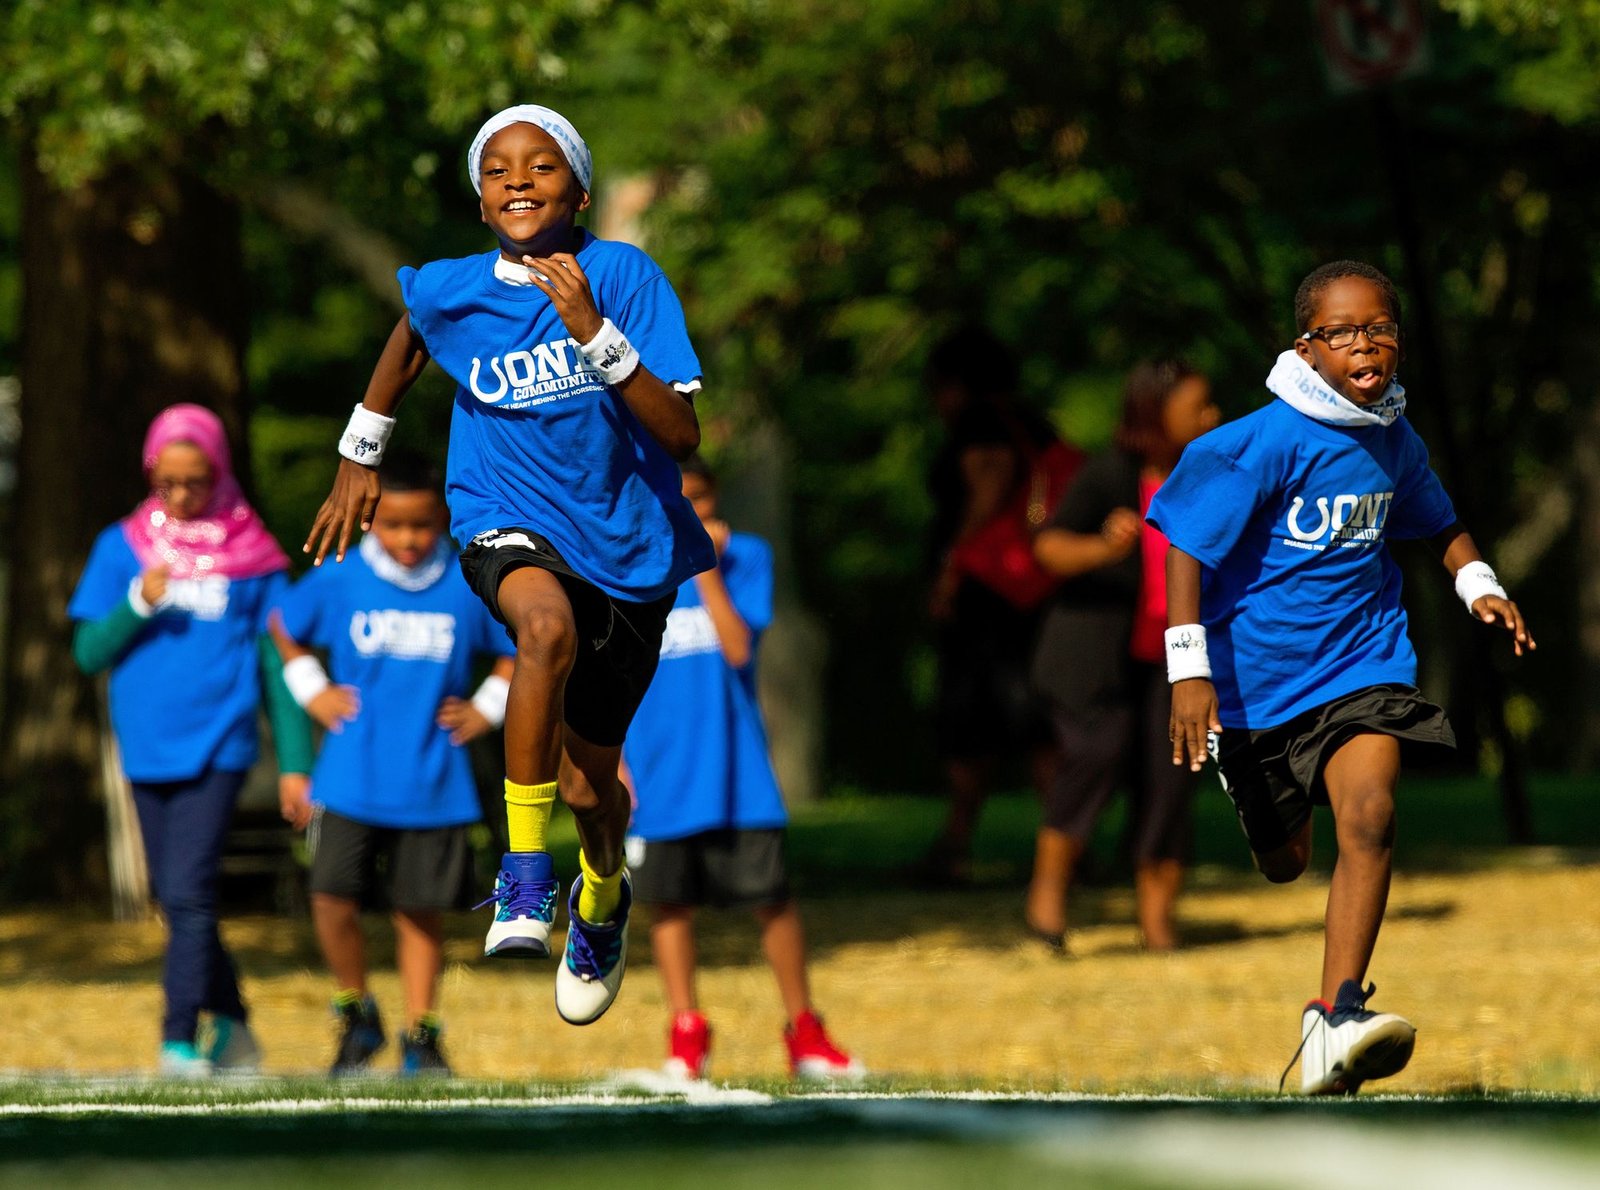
1288	638
574	378
402	631
708	820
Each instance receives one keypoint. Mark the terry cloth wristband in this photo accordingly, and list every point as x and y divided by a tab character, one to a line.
1186	653
1475	580
305	678
365	437
490	699
142	607
610	354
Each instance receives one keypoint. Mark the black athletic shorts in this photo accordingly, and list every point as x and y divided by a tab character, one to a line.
619	642
425	869
721	868
1274	776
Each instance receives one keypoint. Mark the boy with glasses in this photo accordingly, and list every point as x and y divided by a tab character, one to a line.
1288	640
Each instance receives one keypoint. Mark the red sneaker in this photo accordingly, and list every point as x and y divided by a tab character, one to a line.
812	1053
689	1041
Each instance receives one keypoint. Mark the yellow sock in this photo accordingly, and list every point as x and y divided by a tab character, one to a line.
528	809
600	895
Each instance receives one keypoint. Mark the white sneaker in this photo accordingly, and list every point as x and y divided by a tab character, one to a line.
524	897
231	1047
596	956
1348	1045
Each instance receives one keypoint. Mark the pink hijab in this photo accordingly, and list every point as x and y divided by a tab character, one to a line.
228	538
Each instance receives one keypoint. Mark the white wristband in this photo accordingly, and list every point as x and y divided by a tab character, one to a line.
491	699
305	678
610	354
365	437
1186	653
1475	580
142	607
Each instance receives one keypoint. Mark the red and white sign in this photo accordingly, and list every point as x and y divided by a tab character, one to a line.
1366	43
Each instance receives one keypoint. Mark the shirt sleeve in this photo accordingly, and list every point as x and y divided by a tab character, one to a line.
110	569
652	318
1421	507
748	575
1206	504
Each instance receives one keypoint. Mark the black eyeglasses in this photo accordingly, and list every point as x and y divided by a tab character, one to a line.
1343	335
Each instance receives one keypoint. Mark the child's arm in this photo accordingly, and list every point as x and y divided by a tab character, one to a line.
97	645
1477	585
1066	554
291	739
660	408
308	683
733	634
355	488
465	719
1194	699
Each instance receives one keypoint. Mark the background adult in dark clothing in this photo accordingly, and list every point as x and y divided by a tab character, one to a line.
986	710
1100	658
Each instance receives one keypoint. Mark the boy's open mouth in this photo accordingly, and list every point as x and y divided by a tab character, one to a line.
519	206
1367	381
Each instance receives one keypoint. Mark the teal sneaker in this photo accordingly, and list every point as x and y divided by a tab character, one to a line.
230	1046
180	1059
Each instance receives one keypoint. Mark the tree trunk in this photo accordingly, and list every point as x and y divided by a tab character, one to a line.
133	299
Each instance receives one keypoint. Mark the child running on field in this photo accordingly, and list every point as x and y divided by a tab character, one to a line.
1288	638
575	379
708	821
402	631
174	603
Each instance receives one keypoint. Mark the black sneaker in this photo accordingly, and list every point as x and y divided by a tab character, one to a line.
420	1052
362	1034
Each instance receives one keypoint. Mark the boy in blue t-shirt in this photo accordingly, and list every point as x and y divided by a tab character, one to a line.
1289	640
402	631
708	820
575	379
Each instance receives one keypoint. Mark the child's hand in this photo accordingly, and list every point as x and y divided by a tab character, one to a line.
352	502
1194	712
153	585
1490	608
462	720
1121	532
562	281
335	706
294	799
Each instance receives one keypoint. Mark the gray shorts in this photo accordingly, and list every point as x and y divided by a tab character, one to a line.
721	868
421	869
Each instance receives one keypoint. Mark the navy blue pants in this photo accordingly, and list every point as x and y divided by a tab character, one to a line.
184	824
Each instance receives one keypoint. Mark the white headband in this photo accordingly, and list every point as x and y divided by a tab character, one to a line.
557	125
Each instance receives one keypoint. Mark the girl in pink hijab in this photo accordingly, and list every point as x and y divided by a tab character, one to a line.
173	602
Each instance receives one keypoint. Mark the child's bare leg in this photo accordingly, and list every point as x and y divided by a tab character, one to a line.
1361	778
540	615
1157	883
969	784
672	944
337	921
1055	855
599	802
783	939
419	953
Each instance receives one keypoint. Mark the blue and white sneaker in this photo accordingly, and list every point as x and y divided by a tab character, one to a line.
524	897
1346	1045
230	1046
591	970
180	1059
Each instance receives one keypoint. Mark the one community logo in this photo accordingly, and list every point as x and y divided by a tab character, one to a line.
689	632
1346	521
521	379
203	598
409	636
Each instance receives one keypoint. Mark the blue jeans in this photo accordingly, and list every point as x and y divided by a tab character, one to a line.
185	824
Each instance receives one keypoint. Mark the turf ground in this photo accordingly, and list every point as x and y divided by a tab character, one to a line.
1110	1068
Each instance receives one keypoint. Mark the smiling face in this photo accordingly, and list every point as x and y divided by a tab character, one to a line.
183	480
1362	370
408	525
530	194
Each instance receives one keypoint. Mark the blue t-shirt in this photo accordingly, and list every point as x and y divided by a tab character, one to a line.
405	651
184	696
1289	516
697	748
538	439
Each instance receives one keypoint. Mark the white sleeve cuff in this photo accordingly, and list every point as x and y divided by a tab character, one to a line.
305	678
490	699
